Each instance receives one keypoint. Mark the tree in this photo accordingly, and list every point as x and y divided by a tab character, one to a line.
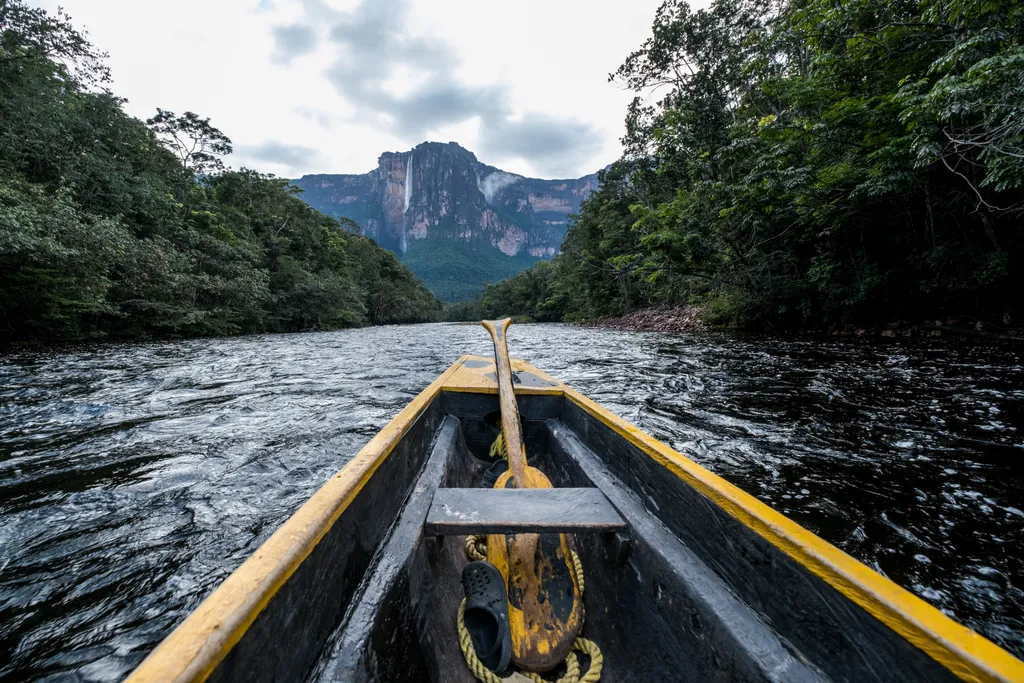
105	231
29	33
809	164
196	142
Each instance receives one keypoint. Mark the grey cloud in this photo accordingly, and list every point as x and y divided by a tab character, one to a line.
433	102
321	118
374	31
374	45
292	156
319	11
556	147
292	41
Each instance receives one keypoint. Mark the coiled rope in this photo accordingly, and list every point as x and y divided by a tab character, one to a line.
572	663
476	549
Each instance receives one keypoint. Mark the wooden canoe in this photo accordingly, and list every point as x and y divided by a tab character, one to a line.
688	578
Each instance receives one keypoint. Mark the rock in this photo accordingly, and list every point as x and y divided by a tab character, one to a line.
935	333
442	191
660	319
888	333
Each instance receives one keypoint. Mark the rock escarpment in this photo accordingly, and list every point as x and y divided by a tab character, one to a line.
441	191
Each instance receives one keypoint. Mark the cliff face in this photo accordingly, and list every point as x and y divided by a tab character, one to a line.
441	191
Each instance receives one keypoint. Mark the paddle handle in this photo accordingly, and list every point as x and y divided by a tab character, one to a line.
511	427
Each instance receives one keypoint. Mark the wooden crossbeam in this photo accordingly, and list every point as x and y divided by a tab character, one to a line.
461	512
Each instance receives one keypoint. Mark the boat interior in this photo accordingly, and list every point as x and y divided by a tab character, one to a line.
685	578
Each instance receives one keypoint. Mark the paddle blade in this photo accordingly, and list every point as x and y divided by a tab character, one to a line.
545	603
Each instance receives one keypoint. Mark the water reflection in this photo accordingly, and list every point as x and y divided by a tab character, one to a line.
133	478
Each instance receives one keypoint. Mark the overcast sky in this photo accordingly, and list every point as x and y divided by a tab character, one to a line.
325	86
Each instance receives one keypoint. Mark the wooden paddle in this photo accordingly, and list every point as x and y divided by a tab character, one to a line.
545	603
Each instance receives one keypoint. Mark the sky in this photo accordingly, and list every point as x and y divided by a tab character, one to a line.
326	86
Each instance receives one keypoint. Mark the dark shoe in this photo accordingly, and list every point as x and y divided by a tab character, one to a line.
491	475
486	615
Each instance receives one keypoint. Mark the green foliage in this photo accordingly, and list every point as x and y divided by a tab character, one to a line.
54	261
811	163
110	227
193	139
533	295
30	36
456	270
393	293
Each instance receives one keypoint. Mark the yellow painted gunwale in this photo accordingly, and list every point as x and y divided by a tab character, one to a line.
472	377
969	655
192	651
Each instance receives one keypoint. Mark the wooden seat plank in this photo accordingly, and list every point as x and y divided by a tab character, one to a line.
461	512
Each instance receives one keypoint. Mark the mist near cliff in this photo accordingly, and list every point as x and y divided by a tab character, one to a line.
495	183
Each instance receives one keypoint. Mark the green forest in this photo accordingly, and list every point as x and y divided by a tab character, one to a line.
455	270
805	164
115	227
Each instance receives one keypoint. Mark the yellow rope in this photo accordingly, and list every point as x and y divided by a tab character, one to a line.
578	566
476	549
589	647
481	672
498	447
572	672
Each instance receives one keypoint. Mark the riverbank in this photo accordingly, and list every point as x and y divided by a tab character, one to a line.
966	327
689	318
656	319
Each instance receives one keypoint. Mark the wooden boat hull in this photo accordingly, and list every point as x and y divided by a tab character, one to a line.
705	584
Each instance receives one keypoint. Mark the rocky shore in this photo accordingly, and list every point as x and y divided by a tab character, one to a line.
659	319
965	327
688	319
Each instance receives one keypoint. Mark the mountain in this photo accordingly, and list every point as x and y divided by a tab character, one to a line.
454	221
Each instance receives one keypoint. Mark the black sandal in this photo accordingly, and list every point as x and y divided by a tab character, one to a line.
491	475
486	615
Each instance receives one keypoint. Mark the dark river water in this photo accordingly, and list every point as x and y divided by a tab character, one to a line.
134	478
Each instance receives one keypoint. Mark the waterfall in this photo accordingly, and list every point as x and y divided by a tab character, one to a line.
408	181
408	197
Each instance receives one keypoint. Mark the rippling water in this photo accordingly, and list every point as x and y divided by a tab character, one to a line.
134	478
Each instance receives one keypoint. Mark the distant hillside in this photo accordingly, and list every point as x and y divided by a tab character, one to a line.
456	222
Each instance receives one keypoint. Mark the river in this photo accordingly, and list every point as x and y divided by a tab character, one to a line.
134	478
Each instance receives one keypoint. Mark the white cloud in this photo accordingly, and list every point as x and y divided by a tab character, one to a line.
325	86
494	183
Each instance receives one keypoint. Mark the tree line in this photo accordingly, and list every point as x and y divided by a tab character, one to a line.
802	164
115	227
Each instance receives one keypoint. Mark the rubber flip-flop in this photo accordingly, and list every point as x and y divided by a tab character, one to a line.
491	475
486	615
